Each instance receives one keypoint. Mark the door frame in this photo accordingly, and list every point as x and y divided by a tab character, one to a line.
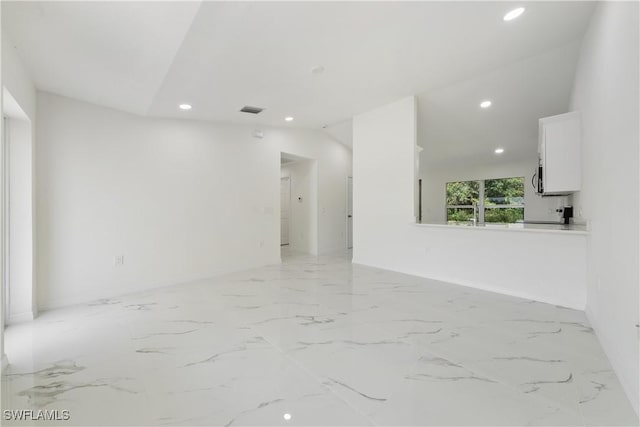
346	210
288	179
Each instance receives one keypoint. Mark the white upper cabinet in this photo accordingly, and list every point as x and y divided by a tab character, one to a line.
559	150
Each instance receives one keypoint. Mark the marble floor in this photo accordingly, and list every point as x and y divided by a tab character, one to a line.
314	341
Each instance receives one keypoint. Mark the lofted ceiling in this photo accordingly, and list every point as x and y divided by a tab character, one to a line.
114	54
148	57
453	128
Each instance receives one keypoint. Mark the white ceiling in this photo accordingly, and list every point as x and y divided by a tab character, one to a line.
342	131
148	57
453	128
114	54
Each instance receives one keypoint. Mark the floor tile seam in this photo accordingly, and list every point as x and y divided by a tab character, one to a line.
320	383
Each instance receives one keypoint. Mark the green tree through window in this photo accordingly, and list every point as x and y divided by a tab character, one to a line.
494	200
501	192
461	198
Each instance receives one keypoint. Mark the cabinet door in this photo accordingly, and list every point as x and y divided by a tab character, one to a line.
562	159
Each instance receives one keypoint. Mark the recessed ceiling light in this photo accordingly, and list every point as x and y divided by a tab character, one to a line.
287	416
288	119
513	14
485	104
185	106
499	150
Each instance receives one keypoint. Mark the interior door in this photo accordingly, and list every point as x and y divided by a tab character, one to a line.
349	212
285	209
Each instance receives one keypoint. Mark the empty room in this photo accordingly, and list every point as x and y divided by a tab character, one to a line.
320	213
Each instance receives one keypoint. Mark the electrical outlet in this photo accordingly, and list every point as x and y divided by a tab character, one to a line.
118	260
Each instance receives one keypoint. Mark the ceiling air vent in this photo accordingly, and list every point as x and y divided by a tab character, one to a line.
251	110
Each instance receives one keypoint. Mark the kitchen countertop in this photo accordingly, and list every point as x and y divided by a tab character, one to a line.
573	229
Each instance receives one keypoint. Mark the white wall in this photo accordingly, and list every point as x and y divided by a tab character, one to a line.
21	249
179	199
383	175
545	266
532	264
303	212
16	80
3	356
434	182
606	93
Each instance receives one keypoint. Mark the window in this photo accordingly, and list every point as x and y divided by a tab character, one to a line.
504	200
489	201
462	202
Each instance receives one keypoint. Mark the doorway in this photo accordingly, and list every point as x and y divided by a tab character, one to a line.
298	205
349	212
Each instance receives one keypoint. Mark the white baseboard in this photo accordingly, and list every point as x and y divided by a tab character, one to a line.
617	363
53	303
27	316
480	286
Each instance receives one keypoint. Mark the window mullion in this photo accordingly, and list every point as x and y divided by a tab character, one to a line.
481	203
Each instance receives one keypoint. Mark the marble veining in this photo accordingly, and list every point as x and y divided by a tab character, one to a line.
348	387
314	341
43	395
